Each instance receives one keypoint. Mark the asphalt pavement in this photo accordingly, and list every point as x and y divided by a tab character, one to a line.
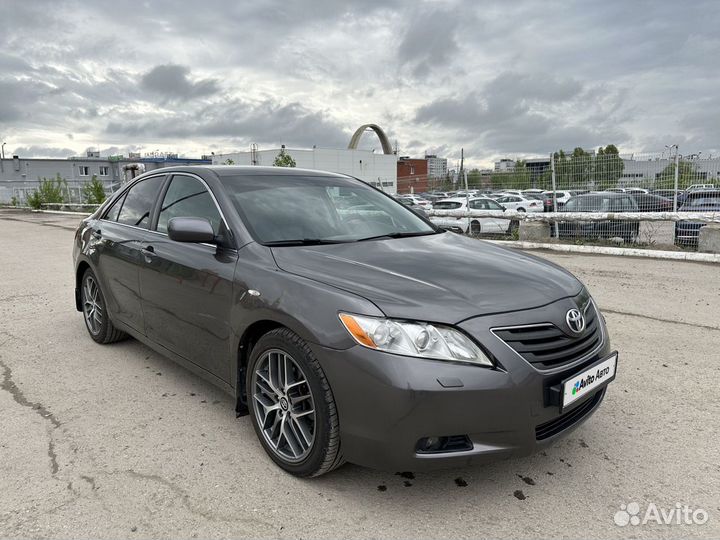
118	442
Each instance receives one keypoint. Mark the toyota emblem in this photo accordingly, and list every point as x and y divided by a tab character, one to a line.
575	320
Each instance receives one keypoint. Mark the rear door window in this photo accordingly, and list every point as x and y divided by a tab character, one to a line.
139	202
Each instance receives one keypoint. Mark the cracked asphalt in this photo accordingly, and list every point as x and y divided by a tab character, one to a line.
119	442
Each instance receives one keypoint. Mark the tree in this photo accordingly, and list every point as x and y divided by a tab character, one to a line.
687	175
580	169
51	190
94	191
228	161
283	159
519	178
474	178
608	167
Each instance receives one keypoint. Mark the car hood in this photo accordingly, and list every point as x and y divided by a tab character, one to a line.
441	278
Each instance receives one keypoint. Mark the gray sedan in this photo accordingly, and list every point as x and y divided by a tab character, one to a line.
347	326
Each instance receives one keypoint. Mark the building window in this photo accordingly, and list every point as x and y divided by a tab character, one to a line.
104	170
84	170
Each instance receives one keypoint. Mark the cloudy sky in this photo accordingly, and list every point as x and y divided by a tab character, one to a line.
509	78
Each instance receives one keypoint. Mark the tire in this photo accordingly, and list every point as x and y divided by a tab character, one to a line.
475	228
514	226
95	315
267	388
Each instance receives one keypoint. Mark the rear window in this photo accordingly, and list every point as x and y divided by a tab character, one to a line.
447	205
703	201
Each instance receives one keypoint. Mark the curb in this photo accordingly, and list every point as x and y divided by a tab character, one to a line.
607	250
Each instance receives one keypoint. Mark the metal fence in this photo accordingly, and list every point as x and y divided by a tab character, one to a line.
592	197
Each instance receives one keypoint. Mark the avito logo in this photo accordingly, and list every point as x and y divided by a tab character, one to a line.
582	383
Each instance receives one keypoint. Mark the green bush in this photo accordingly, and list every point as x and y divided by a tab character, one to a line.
94	191
51	190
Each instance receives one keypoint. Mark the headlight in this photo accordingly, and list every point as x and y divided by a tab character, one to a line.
420	339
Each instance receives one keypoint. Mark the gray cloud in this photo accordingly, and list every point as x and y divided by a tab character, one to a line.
494	77
173	81
43	152
265	122
429	41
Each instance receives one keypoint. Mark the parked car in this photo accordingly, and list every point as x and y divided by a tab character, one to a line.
634	190
668	193
561	196
410	203
474	225
650	202
520	203
317	322
425	204
700	187
688	232
600	202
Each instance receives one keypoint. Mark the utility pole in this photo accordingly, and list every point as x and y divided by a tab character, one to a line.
677	177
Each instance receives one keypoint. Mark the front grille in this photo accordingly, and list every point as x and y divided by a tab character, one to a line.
545	346
565	420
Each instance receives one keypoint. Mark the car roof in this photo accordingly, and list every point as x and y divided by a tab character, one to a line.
609	194
249	170
461	199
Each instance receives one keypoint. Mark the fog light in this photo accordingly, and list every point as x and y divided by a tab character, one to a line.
451	443
430	444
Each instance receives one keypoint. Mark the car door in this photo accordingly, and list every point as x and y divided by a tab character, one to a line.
187	288
117	249
500	224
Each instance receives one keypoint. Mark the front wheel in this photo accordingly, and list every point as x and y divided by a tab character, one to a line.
293	409
475	228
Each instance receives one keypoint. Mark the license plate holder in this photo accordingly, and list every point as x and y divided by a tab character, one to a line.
588	381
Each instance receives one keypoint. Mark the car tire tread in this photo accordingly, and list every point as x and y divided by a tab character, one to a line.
333	456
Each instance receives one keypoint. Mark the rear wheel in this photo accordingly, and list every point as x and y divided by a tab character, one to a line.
293	409
97	321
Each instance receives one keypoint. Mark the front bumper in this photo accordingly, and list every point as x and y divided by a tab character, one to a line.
458	225
387	403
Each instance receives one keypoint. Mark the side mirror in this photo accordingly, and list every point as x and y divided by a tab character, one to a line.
191	229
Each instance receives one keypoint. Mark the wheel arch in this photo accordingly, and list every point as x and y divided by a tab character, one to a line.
82	267
247	342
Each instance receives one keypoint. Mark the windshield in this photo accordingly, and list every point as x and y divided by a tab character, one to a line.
318	209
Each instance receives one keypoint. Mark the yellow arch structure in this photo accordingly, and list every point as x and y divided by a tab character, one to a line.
384	141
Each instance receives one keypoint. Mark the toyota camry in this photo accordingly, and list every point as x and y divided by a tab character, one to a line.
348	327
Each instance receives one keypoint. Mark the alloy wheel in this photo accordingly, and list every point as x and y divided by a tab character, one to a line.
283	405
92	305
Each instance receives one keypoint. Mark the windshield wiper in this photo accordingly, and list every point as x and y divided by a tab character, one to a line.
399	235
302	242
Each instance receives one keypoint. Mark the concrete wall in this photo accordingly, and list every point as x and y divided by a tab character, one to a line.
373	168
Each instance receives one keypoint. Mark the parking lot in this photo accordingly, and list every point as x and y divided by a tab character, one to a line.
117	441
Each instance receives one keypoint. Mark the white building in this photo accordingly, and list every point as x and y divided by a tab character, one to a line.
505	165
379	170
437	167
